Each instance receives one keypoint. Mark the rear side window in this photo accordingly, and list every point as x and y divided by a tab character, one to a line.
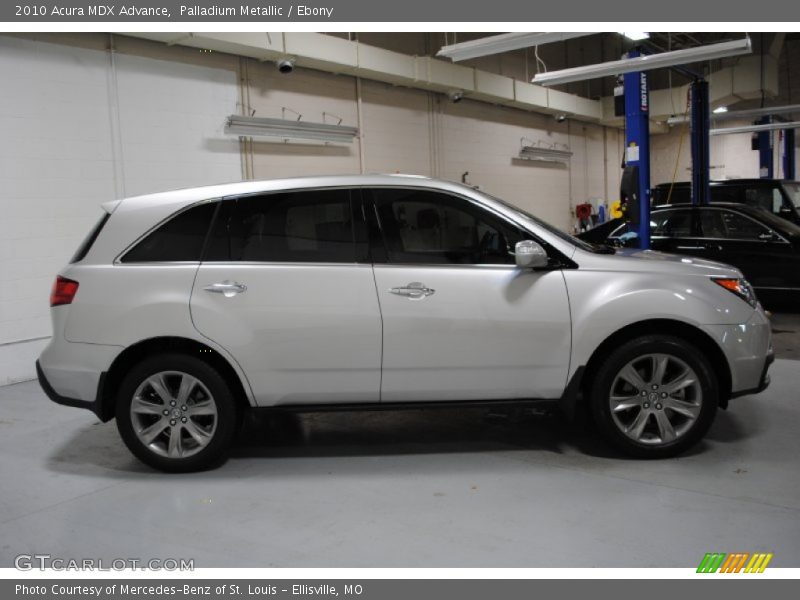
89	240
178	240
672	223
308	226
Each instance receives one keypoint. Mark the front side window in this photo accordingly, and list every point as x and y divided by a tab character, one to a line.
739	227
307	226
178	240
421	226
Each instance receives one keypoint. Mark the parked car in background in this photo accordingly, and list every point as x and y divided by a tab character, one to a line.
183	310
763	246
780	197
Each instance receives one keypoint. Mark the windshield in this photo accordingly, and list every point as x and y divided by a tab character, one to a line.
793	189
597	248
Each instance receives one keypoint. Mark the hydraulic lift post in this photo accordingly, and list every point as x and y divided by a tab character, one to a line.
637	146
766	160
701	162
789	154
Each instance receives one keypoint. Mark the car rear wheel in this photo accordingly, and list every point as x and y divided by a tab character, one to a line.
654	396
176	413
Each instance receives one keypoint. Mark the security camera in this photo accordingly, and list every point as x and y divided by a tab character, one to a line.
561	118
286	65
455	96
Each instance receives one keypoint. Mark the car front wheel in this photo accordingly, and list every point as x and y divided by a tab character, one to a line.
654	396
176	413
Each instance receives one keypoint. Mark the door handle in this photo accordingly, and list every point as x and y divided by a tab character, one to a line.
227	288
691	248
414	290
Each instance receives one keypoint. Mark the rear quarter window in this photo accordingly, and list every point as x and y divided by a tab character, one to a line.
180	239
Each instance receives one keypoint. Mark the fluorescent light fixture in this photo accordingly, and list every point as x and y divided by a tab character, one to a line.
635	35
720	109
544	154
744	114
505	42
755	128
646	63
289	129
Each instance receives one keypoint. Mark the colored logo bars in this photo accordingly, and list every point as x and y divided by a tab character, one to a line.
719	562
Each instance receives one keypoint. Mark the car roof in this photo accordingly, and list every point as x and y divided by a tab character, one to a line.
732	205
240	188
728	182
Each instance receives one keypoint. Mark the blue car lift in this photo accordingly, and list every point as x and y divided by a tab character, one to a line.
637	143
701	164
766	162
789	156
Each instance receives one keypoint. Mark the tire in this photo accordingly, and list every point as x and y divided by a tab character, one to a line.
654	396
192	434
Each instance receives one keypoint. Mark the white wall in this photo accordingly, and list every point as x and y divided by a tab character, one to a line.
75	133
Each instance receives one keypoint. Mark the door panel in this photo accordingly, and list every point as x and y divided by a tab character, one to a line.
484	333
302	333
460	320
281	288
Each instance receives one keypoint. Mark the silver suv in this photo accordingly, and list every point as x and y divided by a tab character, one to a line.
181	310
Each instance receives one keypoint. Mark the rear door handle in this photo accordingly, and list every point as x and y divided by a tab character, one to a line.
226	288
414	291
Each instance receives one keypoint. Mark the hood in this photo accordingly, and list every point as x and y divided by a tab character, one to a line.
650	261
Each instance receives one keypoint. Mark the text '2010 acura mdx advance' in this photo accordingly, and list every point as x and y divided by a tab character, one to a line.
182	310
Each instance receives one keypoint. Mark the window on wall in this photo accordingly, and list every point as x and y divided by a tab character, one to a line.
179	239
307	226
421	226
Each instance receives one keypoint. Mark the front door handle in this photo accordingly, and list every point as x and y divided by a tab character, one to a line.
226	288
414	290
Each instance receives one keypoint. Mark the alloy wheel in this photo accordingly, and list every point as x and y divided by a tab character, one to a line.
655	399
173	414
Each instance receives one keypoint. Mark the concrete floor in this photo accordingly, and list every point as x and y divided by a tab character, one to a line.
413	488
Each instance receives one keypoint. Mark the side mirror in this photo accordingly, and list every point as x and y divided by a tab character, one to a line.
530	255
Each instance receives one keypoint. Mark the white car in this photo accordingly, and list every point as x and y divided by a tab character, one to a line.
181	310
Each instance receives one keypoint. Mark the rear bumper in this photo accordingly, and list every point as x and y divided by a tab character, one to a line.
91	405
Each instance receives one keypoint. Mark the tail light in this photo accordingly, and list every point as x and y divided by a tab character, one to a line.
63	292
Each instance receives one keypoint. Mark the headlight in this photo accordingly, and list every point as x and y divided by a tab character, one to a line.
740	287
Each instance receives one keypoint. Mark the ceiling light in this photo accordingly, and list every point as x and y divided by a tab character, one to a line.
754	128
745	114
646	63
289	129
504	42
720	109
635	35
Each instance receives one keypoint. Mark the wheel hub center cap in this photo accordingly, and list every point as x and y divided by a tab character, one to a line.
653	397
176	413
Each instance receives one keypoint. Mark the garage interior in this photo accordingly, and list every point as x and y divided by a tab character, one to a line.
86	118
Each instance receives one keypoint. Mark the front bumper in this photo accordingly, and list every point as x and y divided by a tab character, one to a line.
763	382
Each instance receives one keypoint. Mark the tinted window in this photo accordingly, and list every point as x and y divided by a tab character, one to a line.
312	226
739	227
179	239
768	198
672	223
428	227
86	244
